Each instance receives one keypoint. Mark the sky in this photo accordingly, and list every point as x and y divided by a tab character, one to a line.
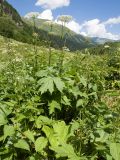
93	18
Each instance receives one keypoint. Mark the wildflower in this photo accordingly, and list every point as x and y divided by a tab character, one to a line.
66	49
106	46
35	35
32	15
49	23
64	18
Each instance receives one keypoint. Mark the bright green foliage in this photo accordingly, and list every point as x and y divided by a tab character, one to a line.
58	83
29	135
65	150
3	120
40	144
22	144
52	114
61	132
46	85
52	106
41	120
8	131
115	150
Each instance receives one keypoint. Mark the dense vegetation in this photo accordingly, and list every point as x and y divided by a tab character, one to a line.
56	105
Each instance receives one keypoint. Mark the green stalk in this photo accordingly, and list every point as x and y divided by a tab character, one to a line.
49	59
35	47
62	49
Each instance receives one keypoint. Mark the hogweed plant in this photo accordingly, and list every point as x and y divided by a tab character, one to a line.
64	19
51	25
35	39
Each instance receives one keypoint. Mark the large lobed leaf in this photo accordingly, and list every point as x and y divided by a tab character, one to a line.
22	144
48	84
40	144
115	150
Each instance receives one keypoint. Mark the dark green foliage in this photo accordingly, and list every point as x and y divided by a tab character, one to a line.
8	10
10	29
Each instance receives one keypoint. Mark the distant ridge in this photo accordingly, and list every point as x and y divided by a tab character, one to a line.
98	40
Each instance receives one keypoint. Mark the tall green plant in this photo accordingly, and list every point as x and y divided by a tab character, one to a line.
64	19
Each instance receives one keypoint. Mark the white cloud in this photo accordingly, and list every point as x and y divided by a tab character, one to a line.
46	14
74	26
115	20
95	28
52	4
83	33
91	28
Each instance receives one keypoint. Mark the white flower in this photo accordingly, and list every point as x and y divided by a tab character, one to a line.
65	18
106	46
49	23
32	15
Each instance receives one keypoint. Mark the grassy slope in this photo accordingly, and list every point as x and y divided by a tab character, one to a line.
94	65
86	62
17	81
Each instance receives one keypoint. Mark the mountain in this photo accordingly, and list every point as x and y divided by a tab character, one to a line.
98	40
13	26
7	9
71	38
